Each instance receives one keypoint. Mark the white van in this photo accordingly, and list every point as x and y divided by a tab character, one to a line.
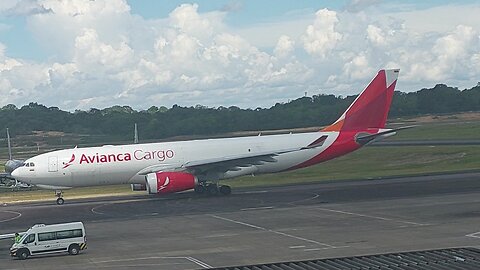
47	239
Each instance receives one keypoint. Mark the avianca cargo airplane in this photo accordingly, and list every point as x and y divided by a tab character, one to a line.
199	164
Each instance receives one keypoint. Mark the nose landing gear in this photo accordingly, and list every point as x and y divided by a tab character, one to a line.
59	195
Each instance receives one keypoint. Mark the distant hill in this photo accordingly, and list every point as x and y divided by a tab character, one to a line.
160	122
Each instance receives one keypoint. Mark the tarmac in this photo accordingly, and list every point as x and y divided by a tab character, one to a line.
259	225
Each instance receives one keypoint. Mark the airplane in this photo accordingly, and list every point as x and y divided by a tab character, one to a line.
6	177
170	167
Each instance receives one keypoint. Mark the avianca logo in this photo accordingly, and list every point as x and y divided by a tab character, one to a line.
65	165
164	186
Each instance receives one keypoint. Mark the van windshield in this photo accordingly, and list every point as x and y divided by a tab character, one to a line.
29	239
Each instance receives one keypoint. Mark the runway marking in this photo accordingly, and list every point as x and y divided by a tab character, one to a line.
295	247
307	199
191	259
257	208
316	249
18	215
252	192
474	235
372	217
200	263
273	231
93	210
220	235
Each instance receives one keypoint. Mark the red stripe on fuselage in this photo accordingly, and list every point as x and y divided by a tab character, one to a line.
344	144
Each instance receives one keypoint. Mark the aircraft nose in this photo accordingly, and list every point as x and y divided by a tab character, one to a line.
16	174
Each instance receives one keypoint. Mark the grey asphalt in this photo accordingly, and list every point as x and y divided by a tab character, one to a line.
260	225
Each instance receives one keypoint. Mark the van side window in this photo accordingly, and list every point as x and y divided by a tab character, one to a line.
69	234
29	239
46	236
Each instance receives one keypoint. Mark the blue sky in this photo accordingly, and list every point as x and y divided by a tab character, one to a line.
82	54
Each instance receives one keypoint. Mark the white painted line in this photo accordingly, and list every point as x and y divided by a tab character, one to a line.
95	211
257	208
220	235
294	247
136	266
198	262
18	215
252	192
239	222
474	235
372	217
273	231
305	200
7	236
191	259
315	249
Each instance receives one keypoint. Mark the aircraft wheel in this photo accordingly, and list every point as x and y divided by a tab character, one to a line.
212	189
200	189
225	190
60	201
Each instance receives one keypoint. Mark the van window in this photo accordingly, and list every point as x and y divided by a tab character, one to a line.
46	236
69	234
29	239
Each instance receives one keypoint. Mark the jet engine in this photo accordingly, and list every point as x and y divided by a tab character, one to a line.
138	187
170	182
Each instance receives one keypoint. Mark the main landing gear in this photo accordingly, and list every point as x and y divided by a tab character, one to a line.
59	195
213	189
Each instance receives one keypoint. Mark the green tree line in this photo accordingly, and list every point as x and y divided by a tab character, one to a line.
162	122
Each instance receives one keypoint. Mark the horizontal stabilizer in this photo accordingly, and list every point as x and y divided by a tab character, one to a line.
365	139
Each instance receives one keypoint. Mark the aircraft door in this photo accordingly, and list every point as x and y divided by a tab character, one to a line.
53	164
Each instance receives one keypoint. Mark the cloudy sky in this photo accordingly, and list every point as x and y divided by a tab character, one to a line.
79	54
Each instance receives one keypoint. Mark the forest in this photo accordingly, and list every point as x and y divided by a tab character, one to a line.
161	122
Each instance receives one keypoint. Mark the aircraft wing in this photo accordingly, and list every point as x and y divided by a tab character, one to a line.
229	163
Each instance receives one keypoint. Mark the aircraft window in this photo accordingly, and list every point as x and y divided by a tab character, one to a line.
32	164
27	164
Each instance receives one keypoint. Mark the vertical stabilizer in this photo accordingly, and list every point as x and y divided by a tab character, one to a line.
9	146
370	108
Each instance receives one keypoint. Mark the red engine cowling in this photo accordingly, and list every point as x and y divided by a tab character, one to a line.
170	182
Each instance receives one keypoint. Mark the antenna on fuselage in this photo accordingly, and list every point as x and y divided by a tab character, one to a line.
135	138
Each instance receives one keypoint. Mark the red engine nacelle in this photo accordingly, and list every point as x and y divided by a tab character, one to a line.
170	182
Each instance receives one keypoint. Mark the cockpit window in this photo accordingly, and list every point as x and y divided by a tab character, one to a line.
32	164
27	164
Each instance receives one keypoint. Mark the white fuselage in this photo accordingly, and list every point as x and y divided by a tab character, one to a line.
121	164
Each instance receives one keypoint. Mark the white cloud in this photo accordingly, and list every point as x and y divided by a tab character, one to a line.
359	5
321	37
104	55
284	47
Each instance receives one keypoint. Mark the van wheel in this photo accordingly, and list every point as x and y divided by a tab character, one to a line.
22	254
73	249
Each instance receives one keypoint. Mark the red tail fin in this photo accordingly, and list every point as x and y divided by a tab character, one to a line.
370	108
